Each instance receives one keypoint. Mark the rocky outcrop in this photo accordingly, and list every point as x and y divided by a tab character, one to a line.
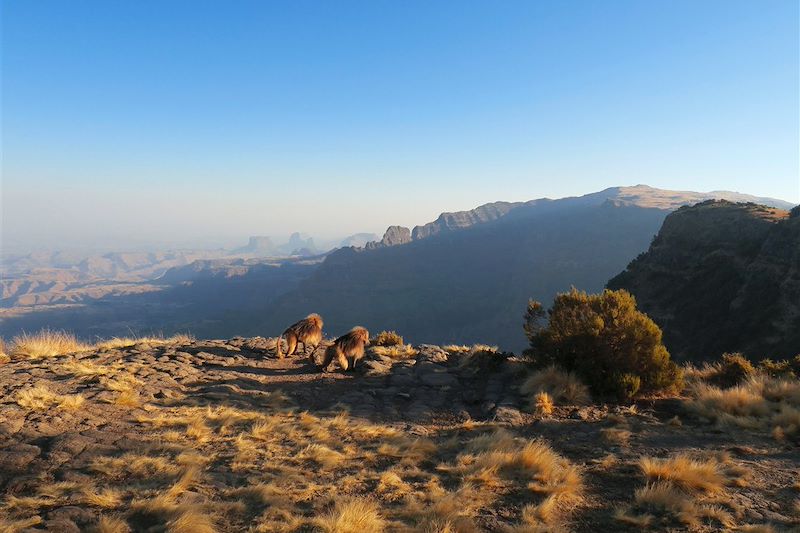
299	244
720	277
394	235
464	219
259	245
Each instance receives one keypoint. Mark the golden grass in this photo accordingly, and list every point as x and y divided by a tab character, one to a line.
391	487
128	398
40	397
761	403
456	348
132	464
352	515
71	402
664	498
121	382
125	342
498	458
563	387
108	497
45	343
296	470
13	526
399	351
543	404
685	472
178	518
480	355
84	369
387	338
322	455
192	521
687	490
112	524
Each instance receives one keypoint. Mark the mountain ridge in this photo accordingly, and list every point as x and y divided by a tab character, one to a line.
637	195
722	276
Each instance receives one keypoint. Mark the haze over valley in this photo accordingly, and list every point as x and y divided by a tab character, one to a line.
463	278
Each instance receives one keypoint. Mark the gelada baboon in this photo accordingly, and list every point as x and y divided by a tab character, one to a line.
308	331
349	346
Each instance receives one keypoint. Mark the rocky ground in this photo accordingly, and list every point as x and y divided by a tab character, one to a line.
222	436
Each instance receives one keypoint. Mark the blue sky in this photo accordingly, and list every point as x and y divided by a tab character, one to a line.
179	121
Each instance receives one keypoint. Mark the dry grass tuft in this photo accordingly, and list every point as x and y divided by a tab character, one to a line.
71	402
45	343
132	464
354	515
192	521
13	526
387	338
563	387
40	397
684	472
108	497
664	498
4	358
501	458
399	351
762	403
128	398
178	518
685	490
480	355
84	369
543	404
125	342
456	348
111	524
322	455
391	487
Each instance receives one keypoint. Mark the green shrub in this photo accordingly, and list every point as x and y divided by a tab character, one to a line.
387	338
732	370
626	385
613	347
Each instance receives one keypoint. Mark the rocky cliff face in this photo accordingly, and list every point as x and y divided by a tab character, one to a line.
719	277
634	196
394	235
464	219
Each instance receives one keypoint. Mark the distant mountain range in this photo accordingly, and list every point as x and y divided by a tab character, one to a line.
467	276
464	277
722	277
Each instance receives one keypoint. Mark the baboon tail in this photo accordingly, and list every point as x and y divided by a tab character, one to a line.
278	347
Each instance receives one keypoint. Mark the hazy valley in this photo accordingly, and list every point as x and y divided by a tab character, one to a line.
463	278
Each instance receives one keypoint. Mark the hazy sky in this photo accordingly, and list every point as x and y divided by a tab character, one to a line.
195	121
